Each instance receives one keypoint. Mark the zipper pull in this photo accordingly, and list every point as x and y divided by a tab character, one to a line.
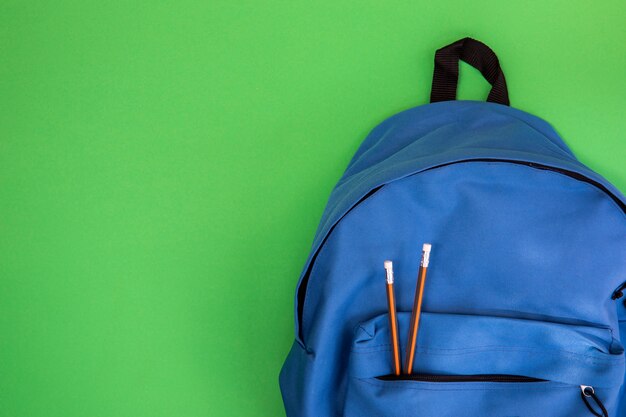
587	392
619	292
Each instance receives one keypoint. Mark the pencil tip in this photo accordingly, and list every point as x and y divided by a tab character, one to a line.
426	247
388	264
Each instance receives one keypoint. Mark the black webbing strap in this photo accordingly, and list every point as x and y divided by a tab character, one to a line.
478	55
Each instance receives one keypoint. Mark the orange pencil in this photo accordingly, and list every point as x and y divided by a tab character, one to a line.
393	321
417	309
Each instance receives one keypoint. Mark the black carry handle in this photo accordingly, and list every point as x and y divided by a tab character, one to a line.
478	55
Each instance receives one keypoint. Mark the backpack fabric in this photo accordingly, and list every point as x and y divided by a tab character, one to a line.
523	304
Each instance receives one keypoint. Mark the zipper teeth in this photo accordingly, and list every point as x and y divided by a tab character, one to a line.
460	378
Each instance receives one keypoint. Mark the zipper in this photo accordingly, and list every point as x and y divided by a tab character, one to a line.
302	287
460	378
586	392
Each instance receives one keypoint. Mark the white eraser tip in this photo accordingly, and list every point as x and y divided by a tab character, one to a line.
389	272
426	247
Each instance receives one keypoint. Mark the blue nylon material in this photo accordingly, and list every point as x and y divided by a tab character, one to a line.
451	344
523	265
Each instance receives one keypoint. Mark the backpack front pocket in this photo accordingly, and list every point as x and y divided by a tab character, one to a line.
480	366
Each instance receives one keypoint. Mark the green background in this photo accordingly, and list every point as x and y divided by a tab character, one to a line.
164	165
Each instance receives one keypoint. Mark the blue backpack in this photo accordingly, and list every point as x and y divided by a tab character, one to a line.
522	309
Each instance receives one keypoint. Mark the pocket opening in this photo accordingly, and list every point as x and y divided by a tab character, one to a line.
460	378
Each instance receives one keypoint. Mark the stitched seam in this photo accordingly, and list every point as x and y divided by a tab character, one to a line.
369	334
588	358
